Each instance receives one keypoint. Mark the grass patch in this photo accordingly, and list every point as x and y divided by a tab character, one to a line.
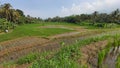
32	30
32	57
8	64
27	59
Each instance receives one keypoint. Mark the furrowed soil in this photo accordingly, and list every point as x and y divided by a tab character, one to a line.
13	49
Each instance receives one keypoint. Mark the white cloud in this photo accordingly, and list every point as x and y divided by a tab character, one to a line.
90	7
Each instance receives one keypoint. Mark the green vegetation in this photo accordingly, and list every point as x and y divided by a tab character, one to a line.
99	25
10	16
5	25
94	18
118	62
68	55
103	53
32	30
8	64
27	59
15	15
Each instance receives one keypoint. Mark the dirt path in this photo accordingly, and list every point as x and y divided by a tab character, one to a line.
77	31
21	42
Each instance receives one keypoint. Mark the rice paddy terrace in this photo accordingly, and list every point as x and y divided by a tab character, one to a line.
60	45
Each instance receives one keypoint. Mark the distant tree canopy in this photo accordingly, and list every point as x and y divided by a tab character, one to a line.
15	15
7	12
96	17
10	17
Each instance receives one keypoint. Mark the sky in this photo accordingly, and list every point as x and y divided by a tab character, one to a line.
52	8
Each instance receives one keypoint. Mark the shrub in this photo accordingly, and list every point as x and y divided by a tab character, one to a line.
4	24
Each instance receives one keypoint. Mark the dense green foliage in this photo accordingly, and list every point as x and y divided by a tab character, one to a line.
5	25
10	16
93	18
15	16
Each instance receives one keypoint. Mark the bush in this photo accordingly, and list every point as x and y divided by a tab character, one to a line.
4	24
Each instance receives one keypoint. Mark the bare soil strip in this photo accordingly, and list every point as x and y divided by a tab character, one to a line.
21	42
57	26
13	49
16	45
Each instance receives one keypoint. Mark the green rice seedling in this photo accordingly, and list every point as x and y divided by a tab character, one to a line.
8	64
62	44
103	53
32	30
101	56
118	62
68	55
27	59
116	41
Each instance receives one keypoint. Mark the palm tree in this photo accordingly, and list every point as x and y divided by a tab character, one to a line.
115	15
14	15
5	11
94	17
8	13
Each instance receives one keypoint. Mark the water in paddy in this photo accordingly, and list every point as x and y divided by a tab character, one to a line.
111	57
109	61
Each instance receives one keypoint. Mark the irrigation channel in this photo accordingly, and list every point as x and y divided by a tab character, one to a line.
110	59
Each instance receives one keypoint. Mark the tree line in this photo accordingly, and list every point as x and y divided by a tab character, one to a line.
15	15
9	17
96	17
